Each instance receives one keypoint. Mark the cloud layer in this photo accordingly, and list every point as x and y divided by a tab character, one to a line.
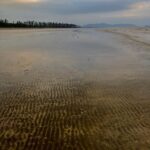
77	11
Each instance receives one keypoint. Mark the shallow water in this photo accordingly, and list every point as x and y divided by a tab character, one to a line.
73	89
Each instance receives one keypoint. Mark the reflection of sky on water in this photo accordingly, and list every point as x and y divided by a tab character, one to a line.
69	53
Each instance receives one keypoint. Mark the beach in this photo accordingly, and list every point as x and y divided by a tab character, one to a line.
75	89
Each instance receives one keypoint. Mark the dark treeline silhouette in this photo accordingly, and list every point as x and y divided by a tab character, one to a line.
33	24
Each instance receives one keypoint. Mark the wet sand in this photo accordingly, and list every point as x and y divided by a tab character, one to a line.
74	89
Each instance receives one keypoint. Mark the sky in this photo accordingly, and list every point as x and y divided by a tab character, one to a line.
78	11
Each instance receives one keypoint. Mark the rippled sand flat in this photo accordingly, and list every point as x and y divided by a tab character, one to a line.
74	89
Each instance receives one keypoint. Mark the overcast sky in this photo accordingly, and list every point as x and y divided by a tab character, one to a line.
78	11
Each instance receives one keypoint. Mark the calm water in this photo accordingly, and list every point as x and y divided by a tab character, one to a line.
77	53
73	89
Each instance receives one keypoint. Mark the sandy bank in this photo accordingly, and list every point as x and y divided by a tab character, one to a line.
140	35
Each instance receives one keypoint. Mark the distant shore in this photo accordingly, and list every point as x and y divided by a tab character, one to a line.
4	23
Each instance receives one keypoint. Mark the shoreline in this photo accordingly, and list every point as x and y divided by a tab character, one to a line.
137	36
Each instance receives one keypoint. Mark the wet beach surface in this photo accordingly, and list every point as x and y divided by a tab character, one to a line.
73	89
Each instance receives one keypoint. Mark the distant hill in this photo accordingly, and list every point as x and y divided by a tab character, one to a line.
147	26
105	25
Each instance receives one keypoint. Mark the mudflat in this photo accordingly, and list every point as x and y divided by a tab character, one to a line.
72	89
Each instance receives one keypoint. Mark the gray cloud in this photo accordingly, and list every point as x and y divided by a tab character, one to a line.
76	7
71	10
88	7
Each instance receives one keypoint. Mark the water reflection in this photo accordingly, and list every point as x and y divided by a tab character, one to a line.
72	52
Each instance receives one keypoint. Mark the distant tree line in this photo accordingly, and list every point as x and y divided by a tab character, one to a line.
4	23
